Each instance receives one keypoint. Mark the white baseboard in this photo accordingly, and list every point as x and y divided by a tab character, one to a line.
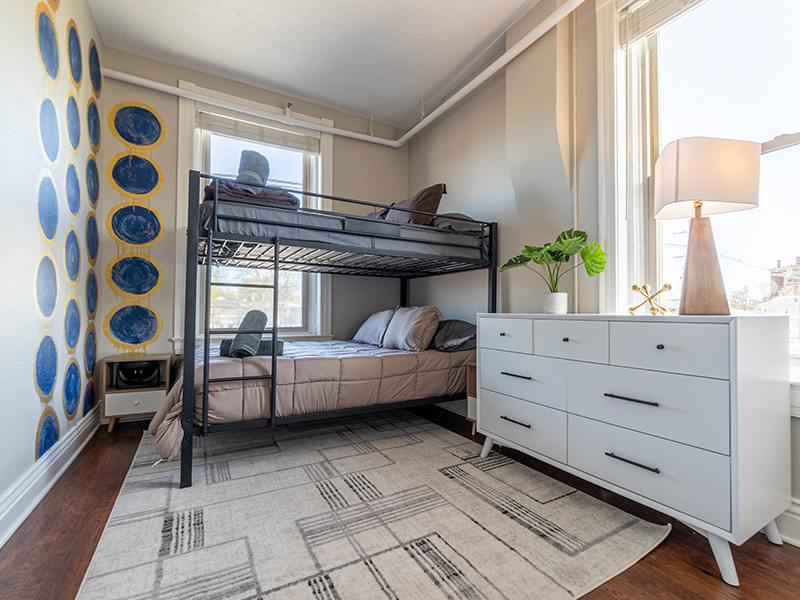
18	502
789	524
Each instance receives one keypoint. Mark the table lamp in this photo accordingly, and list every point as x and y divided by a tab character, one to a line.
707	176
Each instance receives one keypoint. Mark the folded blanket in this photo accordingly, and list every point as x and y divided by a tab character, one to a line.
246	344
269	196
264	348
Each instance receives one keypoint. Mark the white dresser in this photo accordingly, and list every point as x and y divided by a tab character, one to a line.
687	415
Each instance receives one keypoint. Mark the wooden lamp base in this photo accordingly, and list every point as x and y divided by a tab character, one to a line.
703	292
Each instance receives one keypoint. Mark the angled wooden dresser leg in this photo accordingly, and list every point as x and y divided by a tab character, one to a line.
772	533
487	447
722	552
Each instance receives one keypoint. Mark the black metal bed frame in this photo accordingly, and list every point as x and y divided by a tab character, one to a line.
212	247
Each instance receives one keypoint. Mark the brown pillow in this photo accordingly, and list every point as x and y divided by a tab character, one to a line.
373	329
412	328
426	200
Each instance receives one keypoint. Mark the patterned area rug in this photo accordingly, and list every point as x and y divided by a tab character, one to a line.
381	506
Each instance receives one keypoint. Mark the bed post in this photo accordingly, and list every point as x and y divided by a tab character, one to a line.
189	331
493	268
404	291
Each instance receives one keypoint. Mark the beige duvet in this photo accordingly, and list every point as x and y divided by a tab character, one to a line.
312	377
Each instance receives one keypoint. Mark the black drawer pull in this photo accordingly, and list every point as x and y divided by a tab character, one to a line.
502	334
660	347
505	418
647	402
564	339
634	463
515	375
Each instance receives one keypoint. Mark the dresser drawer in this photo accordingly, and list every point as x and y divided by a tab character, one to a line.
574	340
537	428
513	335
691	410
133	403
693	481
688	348
534	378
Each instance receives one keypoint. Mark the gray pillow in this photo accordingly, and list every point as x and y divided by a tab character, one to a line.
454	335
412	328
456	224
374	328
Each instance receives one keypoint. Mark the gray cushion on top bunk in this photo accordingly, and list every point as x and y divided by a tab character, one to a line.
371	226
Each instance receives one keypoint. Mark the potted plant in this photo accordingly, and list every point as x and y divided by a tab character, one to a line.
554	258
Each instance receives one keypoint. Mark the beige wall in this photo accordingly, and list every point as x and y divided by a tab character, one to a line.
360	170
505	153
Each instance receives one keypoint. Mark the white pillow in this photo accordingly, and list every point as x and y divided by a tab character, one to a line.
374	328
412	328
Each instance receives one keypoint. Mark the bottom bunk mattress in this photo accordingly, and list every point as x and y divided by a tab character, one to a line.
312	377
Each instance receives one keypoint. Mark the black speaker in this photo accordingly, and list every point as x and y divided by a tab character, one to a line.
138	374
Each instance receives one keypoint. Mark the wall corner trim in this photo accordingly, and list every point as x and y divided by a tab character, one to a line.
789	524
18	502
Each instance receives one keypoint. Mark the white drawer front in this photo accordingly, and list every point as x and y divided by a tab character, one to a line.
538	428
693	481
513	335
574	340
534	378
691	410
687	348
133	403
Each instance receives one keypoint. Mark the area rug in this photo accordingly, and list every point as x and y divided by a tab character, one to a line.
387	505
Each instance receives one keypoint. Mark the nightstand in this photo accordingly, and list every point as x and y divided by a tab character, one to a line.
130	402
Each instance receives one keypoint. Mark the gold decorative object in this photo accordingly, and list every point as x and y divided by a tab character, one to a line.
655	307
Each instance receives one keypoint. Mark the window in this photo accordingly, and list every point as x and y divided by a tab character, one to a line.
720	71
223	140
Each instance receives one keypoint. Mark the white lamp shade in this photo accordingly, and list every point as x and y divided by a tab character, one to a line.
722	174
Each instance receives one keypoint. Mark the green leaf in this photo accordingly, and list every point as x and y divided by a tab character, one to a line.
594	259
538	255
572	233
517	261
568	242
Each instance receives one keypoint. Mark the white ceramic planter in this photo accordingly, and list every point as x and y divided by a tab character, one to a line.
555	304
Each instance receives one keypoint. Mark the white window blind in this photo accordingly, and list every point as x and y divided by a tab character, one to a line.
281	136
640	18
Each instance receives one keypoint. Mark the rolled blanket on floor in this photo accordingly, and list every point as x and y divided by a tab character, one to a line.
246	344
264	347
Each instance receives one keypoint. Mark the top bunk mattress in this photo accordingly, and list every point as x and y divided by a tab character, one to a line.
338	231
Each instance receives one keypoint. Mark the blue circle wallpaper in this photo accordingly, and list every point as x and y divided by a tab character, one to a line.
94	69
72	388
93	124
72	323
88	398
133	225
89	349
47	41
73	189
135	175
74	53
46	367
92	238
91	294
47	433
92	180
48	129
136	125
134	275
72	257
46	286
73	122
48	209
133	324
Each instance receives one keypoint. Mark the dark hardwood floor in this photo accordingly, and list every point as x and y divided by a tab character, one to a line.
48	555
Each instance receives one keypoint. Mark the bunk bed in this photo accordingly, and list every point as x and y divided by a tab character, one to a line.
224	230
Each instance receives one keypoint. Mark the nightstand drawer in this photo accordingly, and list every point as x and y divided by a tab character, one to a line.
133	402
538	428
687	348
533	378
512	335
690	410
573	340
693	481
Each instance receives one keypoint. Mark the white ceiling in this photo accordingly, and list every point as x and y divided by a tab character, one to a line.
364	57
